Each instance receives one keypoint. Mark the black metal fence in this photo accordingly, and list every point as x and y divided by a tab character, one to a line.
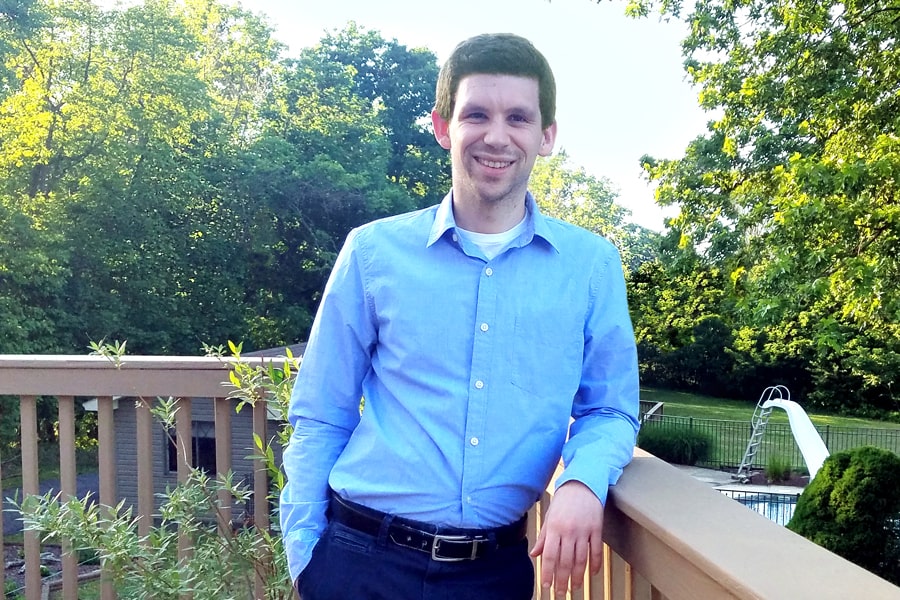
729	440
775	507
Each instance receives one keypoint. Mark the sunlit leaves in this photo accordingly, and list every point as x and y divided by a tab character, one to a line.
793	190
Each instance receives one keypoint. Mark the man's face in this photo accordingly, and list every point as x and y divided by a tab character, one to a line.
494	136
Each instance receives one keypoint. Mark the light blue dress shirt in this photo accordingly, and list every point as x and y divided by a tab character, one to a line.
472	371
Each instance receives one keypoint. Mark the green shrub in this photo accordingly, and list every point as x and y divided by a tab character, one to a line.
219	567
681	445
852	508
778	468
11	591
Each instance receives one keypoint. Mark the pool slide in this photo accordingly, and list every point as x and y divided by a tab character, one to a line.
808	439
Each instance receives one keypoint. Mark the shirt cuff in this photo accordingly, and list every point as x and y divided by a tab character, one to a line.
597	478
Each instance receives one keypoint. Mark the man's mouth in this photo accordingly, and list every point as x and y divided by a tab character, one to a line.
494	164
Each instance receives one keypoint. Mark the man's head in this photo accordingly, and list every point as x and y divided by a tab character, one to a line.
496	54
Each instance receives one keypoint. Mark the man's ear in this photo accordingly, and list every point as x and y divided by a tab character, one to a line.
548	139
441	130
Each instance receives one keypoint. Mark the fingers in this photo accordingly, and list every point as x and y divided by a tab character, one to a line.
571	536
565	562
539	544
562	562
596	552
579	564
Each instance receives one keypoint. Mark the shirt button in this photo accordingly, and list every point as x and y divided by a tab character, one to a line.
455	238
479	384
474	441
489	271
484	326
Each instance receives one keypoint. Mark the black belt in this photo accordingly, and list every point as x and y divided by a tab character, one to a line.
443	544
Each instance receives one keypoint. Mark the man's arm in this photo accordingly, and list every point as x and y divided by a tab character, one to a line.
325	401
601	438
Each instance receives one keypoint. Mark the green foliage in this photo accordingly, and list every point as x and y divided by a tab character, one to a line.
11	591
220	565
778	468
266	383
681	445
399	83
113	351
167	177
684	331
852	507
792	191
9	425
569	193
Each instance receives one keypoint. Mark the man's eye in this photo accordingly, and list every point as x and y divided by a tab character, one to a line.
476	115
518	118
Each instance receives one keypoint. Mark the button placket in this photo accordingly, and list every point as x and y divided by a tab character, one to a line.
482	361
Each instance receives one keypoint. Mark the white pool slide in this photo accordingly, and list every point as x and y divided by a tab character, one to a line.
808	439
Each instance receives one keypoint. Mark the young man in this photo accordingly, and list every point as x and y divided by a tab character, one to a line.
475	330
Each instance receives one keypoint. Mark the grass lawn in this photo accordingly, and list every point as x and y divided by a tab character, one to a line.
686	404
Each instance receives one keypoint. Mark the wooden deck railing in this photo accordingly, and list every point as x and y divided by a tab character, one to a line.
669	537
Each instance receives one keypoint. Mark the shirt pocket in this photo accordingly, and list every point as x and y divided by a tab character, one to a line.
546	355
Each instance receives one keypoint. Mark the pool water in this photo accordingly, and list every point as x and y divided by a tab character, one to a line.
775	507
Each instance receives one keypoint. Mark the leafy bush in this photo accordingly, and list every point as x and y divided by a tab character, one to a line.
778	468
852	507
11	591
218	567
680	445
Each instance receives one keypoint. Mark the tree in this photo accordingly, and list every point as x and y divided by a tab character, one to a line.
112	172
852	507
399	84
683	330
793	190
571	194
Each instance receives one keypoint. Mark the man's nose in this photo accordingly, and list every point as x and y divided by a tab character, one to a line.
497	133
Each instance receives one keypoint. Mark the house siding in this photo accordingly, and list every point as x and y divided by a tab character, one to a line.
202	409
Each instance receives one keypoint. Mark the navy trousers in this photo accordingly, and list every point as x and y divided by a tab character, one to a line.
350	565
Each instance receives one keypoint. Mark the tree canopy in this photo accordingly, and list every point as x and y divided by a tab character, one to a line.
792	193
169	177
166	176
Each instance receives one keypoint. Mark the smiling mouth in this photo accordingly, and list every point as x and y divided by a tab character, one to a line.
494	164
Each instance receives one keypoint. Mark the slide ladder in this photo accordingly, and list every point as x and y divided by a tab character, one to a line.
760	419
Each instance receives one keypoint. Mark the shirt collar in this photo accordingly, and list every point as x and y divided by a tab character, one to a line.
536	223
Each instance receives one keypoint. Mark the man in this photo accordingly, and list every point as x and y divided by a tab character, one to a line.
473	330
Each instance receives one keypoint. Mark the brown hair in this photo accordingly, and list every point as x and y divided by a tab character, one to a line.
496	54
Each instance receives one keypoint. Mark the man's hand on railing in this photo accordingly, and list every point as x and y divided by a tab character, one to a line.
570	536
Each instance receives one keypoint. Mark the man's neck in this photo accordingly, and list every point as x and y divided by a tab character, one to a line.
487	217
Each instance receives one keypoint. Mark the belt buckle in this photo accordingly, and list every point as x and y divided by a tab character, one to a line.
453	538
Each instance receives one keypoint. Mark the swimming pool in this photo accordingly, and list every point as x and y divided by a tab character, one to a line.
775	507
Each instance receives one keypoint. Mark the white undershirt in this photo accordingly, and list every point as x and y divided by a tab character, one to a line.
493	244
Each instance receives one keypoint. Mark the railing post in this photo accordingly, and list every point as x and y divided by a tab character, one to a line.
30	487
222	415
106	451
144	436
184	441
68	482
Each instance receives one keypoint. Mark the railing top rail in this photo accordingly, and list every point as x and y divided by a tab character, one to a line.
722	549
77	361
74	375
